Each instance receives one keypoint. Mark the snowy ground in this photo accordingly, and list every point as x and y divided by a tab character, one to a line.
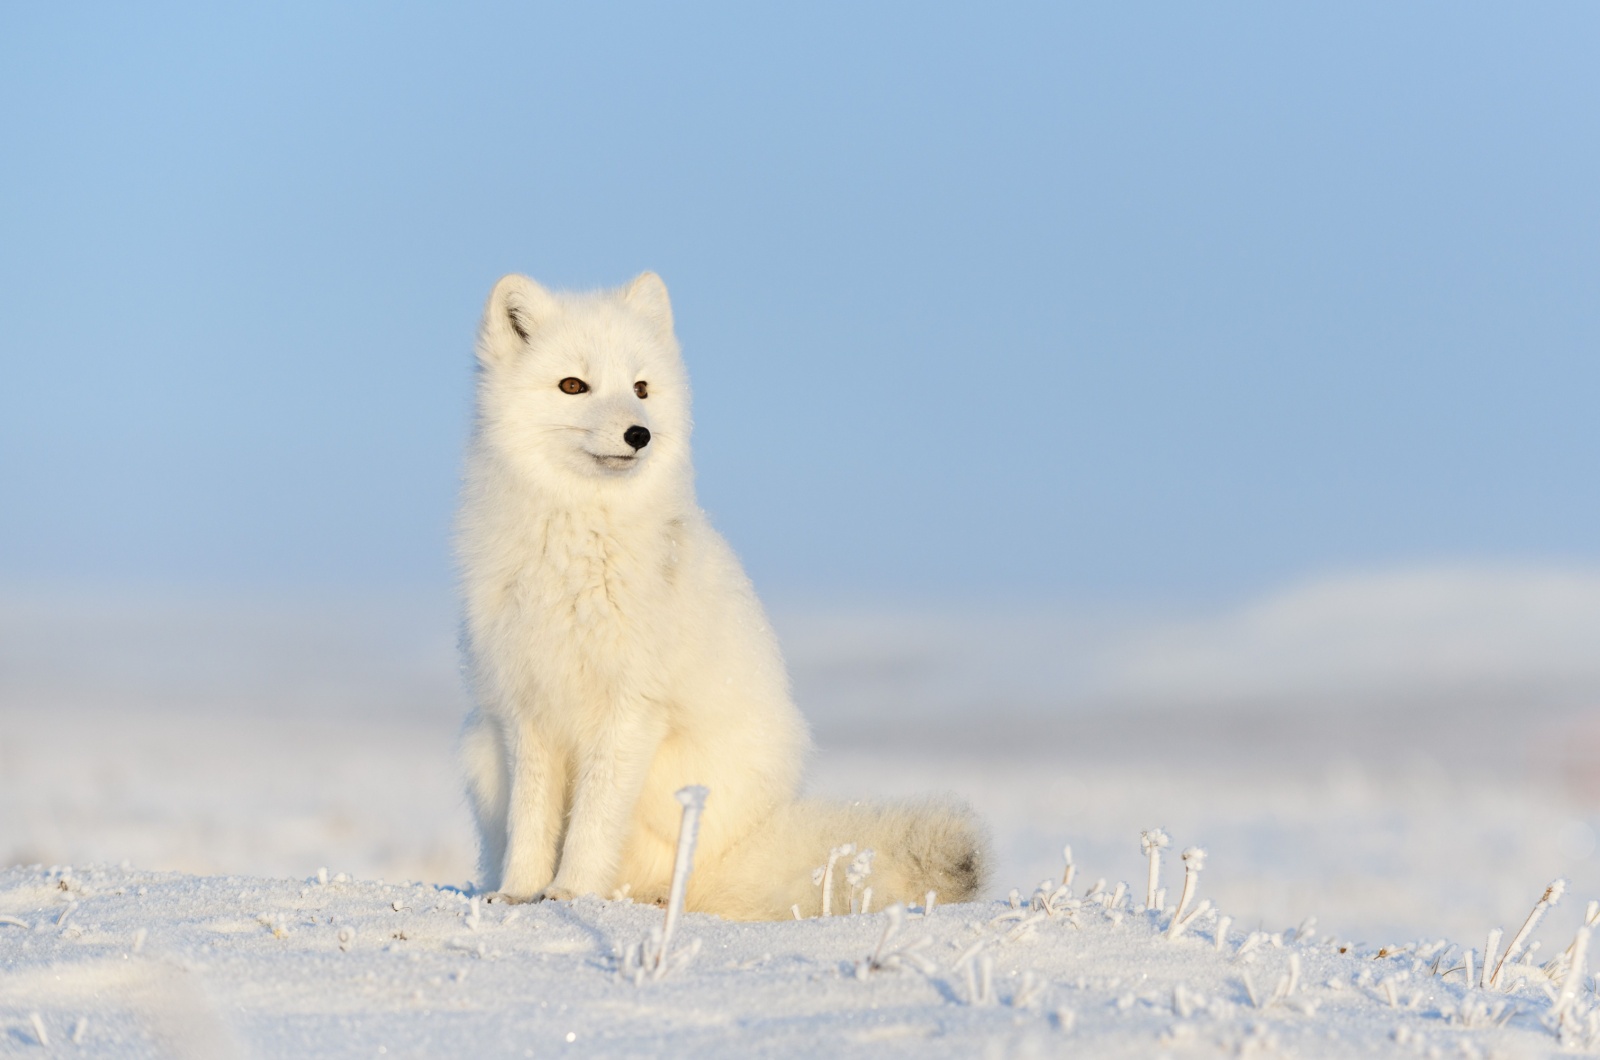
132	963
1406	758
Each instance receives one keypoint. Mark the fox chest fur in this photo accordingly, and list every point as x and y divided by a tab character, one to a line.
577	617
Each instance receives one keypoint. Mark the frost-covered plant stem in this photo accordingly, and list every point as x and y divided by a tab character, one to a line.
856	875
893	954
1194	859
1552	895
1029	992
1179	926
827	875
895	916
980	987
1490	945
1153	841
1591	918
693	799
1573	980
1070	871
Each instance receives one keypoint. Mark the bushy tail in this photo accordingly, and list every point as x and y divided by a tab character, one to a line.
919	845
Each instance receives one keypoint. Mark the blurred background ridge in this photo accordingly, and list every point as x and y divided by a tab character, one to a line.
1353	655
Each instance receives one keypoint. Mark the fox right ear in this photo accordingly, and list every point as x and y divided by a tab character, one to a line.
517	308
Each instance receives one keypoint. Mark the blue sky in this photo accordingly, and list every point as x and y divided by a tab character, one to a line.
1114	302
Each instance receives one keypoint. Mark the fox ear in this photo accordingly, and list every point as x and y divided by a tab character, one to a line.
648	295
517	308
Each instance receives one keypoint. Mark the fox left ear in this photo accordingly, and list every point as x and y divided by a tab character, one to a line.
648	295
517	308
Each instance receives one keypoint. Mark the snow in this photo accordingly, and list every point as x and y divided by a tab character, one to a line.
1409	759
162	963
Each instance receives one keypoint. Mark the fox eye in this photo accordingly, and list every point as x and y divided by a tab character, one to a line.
573	385
642	389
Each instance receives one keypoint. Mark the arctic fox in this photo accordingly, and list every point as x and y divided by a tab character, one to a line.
617	651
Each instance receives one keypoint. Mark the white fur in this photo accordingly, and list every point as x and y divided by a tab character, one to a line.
617	652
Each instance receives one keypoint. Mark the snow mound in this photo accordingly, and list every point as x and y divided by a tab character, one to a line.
134	964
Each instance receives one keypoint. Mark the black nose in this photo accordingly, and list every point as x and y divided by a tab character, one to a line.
637	436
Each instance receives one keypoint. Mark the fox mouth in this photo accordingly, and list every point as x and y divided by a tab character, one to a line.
614	463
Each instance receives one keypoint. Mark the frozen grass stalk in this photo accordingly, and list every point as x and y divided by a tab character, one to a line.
1490	944
38	1029
980	987
1223	924
896	914
693	799
827	875
1552	895
1070	871
1152	842
892	954
1591	918
971	951
1028	993
856	875
655	955
1178	927
1194	859
1573	980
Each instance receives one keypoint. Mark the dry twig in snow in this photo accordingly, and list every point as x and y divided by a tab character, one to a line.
1552	895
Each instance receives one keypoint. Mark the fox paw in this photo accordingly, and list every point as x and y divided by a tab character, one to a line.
502	898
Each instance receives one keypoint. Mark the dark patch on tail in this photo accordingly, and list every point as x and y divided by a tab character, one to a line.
959	868
968	874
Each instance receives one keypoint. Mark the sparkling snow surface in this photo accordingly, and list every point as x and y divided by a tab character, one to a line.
1406	760
158	964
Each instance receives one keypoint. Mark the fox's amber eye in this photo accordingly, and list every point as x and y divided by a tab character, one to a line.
573	385
642	389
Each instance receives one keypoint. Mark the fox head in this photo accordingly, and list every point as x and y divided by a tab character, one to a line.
583	392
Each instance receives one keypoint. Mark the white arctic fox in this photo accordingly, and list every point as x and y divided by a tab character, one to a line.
618	653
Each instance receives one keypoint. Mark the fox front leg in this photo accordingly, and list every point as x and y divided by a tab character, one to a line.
610	776
486	762
533	816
